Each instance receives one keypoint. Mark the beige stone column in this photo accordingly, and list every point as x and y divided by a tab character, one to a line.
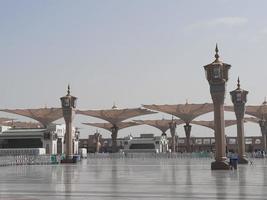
114	135
173	143
241	141
187	129
172	130
264	139
219	132
68	116
263	126
217	93
265	142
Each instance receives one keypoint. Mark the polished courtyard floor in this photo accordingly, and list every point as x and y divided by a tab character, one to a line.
134	179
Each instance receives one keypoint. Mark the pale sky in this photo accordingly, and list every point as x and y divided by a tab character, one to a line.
129	52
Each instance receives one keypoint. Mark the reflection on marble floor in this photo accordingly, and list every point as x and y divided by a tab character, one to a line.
134	179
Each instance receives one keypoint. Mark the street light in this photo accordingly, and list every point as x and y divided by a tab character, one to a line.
263	126
239	99
217	76
68	104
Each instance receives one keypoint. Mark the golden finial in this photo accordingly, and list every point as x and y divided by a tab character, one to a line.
216	52
238	83
68	92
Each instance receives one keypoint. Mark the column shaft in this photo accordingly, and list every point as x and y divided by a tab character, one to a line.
264	141
187	129
173	143
114	141
172	126
241	138
68	141
219	132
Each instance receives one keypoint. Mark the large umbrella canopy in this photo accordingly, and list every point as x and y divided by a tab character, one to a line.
114	116
43	115
5	120
210	124
162	125
259	111
109	126
252	119
229	108
186	112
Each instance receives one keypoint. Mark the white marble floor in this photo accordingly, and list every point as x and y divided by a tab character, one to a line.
134	179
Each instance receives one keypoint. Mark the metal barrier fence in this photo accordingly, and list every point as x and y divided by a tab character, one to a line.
194	155
53	159
26	160
150	155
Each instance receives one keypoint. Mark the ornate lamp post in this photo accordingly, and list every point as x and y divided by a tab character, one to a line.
172	125
239	99
114	134
263	126
217	76
68	104
187	129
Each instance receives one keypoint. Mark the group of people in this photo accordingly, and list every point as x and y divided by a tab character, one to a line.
258	154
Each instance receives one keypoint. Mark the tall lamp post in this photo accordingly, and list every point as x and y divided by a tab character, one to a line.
217	76
68	104
172	126
187	129
263	126
239	99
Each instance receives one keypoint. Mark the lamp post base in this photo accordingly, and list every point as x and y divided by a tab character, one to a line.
243	160
70	159
220	165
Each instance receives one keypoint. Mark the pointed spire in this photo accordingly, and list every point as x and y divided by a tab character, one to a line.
114	105
186	102
265	101
238	83
216	52
68	92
